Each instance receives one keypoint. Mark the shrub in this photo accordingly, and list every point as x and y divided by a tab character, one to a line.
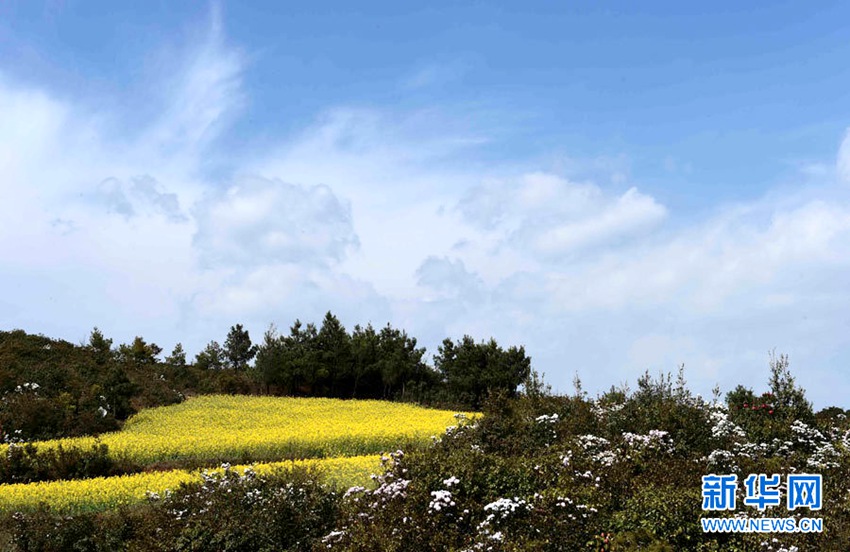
26	463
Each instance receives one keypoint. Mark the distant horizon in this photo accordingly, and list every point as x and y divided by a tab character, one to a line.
618	189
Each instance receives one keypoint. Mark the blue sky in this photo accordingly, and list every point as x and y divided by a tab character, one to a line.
618	187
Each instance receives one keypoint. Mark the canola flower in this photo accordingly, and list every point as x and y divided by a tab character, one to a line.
227	427
102	493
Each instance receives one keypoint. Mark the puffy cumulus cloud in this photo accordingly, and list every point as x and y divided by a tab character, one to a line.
382	215
448	278
109	223
142	194
35	136
709	266
397	169
716	296
552	216
588	278
275	289
277	293
259	221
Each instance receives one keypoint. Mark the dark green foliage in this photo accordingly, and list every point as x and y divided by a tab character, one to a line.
139	352
118	390
331	363
234	512
660	513
833	417
51	388
660	404
243	512
364	361
43	532
25	463
100	346
473	370
268	366
211	358
769	415
789	400
333	350
533	453
177	357
238	350
290	364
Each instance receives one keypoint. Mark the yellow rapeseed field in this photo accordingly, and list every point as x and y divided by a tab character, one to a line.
220	428
100	493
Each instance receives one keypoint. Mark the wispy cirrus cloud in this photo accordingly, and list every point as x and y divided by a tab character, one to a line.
384	214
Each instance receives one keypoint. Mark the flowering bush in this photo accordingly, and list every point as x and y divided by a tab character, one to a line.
540	473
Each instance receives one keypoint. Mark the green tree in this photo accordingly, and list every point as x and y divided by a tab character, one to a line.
789	400
118	390
473	370
270	364
238	349
100	346
139	352
365	368
399	361
333	347
211	358
177	356
306	374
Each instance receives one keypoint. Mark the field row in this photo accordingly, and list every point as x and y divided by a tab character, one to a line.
217	428
102	493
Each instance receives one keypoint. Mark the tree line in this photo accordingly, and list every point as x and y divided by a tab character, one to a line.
328	361
51	388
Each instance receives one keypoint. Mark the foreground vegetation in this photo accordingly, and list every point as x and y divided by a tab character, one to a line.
537	472
104	493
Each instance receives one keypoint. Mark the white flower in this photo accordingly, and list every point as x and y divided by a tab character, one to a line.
451	481
442	499
504	507
353	490
721	425
605	458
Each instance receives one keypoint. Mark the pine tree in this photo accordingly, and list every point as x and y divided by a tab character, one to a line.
238	349
177	356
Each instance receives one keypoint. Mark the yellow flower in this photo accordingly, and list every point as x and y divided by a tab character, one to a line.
342	437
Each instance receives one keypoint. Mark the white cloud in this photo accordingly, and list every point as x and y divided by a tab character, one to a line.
552	216
449	278
201	96
384	215
258	222
630	213
142	193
